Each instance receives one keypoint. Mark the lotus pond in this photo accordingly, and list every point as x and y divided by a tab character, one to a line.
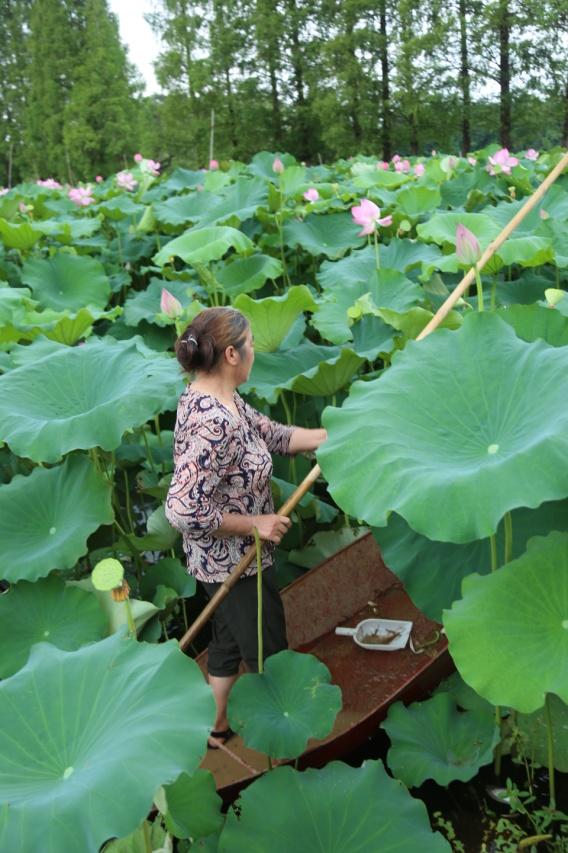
452	449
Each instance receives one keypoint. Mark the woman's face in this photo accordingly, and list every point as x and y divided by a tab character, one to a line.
247	358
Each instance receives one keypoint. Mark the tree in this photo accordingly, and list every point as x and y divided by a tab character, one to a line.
14	84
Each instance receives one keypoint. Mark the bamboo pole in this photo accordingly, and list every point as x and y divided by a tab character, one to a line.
444	309
244	563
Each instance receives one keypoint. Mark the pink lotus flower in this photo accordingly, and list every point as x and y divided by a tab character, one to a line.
501	161
472	160
125	181
213	165
395	158
151	166
169	305
138	158
419	170
468	250
531	154
99	179
382	164
49	184
402	166
368	215
311	194
278	166
4	190
81	196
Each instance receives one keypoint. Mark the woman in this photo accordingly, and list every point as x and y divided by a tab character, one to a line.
220	491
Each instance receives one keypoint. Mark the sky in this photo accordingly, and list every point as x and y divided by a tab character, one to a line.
143	46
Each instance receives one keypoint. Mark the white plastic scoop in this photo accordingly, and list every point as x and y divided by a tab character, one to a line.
384	635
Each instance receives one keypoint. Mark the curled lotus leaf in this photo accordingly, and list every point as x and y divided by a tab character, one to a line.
441	228
434	740
244	275
202	245
450	437
272	318
339	809
36	535
78	726
273	371
277	711
512	622
83	397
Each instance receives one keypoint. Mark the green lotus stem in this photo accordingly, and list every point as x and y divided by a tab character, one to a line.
377	257
184	611
158	430
130	618
166	635
278	217
148	452
147	838
127	502
493	544
292	462
508	538
550	750
479	289
259	598
494	294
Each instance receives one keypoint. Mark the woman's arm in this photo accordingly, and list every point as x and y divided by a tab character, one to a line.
302	439
270	527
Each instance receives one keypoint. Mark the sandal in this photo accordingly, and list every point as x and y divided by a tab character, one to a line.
223	736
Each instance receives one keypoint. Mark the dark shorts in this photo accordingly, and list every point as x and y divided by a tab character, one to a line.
234	625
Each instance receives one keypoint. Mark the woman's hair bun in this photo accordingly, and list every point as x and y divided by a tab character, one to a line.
201	344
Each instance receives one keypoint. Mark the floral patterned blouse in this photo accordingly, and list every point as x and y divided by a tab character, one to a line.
222	464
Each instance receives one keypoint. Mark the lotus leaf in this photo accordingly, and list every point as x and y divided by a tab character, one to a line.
433	740
494	644
45	611
441	228
328	377
274	371
277	711
403	255
432	572
526	251
416	201
193	807
371	336
35	511
463	695
447	440
182	179
533	730
331	235
240	201
309	504
68	230
83	397
261	164
339	809
79	725
271	319
184	209
137	841
67	282
201	245
120	207
534	322
245	275
22	236
169	572
411	322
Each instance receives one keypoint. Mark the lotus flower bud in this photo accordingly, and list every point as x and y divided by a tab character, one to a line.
278	166
467	247
169	305
311	194
138	158
213	165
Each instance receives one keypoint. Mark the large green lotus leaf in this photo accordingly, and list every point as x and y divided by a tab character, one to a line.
272	318
557	232
355	268
245	275
193	806
36	535
22	236
432	572
512	622
526	290
68	230
120	207
527	251
339	809
331	320
410	322
554	203
331	235
441	228
240	201
533	731
67	282
371	336
328	377
145	304
78	726
273	371
534	322
83	397
416	201
261	164
28	353
184	209
434	740
202	245
63	326
277	711
450	437
404	255
380	178
292	179
46	611
167	572
182	179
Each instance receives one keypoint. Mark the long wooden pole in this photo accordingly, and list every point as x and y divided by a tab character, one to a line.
244	563
444	309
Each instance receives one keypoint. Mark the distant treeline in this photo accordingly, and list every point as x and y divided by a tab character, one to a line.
321	79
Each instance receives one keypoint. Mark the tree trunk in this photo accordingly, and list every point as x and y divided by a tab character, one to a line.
464	79
298	77
564	141
385	83
505	73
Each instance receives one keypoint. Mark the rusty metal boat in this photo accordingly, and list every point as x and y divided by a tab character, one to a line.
352	585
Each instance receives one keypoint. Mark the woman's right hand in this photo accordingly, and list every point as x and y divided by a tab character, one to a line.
271	527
